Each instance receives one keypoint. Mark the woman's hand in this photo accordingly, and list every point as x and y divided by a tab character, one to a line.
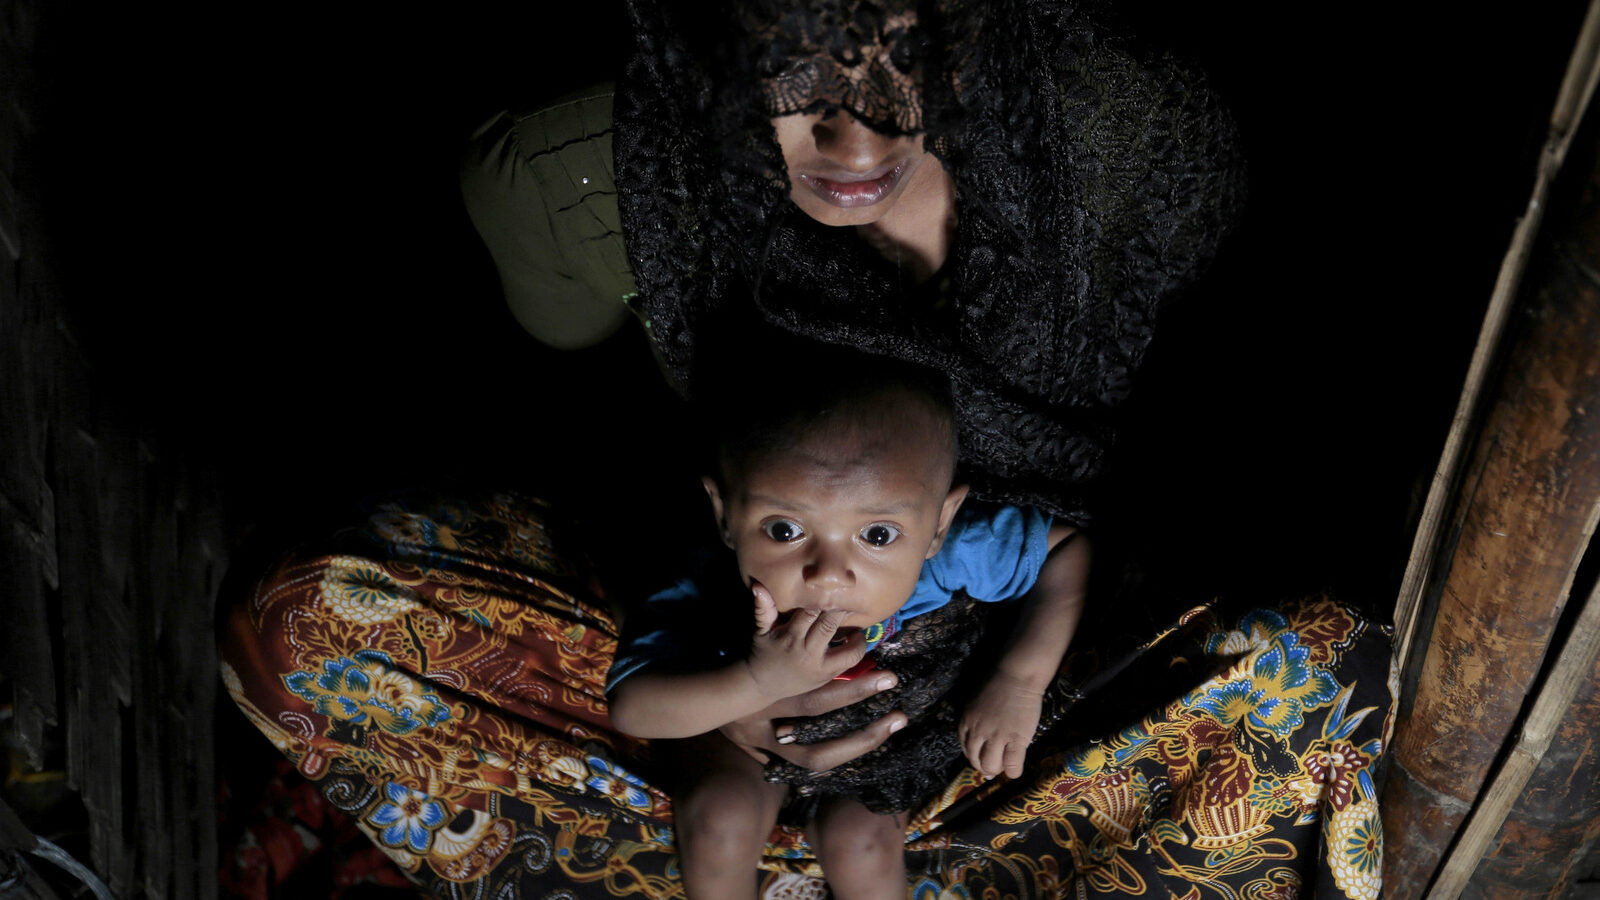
757	736
789	656
795	654
998	725
795	660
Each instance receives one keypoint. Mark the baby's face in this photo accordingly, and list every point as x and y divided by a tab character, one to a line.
840	525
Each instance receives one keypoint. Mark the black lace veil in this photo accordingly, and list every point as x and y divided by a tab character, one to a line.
1093	182
853	55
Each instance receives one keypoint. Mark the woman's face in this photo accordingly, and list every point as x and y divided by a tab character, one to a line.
843	173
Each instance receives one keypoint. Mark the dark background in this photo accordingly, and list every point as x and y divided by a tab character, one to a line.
267	260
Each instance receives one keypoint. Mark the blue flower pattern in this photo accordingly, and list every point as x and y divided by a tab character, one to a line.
612	781
1281	687
408	819
346	690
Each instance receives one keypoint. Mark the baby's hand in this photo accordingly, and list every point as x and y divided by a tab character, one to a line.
790	657
998	725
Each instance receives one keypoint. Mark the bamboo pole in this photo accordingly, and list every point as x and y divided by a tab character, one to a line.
1577	87
1526	501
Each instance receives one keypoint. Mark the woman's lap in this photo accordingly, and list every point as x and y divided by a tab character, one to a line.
439	669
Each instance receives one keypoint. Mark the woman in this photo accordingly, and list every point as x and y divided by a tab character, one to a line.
996	189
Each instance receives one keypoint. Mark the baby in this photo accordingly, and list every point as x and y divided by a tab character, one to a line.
835	493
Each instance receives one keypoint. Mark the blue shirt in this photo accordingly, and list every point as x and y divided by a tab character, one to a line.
990	554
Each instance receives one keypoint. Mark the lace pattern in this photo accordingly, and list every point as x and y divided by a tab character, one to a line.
852	55
1093	184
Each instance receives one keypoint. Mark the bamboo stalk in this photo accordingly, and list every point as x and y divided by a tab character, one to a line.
1523	464
1577	88
1575	664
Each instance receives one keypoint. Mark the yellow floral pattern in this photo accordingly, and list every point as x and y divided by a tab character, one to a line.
439	671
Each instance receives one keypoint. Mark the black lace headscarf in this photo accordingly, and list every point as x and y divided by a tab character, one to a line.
1092	183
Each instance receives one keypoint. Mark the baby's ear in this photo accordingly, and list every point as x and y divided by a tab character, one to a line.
947	514
715	494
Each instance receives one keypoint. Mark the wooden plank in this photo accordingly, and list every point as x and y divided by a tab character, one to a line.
181	840
72	452
202	562
117	489
182	538
1589	868
184	640
1533	857
96	455
10	230
26	385
93	629
1573	669
25	644
147	587
111	849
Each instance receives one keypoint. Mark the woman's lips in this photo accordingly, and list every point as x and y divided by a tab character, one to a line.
848	191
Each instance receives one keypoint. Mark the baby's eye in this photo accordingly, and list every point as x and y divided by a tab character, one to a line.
879	534
783	530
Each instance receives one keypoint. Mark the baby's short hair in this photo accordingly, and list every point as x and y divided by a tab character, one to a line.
779	390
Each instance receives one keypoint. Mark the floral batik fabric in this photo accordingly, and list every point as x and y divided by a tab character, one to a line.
438	671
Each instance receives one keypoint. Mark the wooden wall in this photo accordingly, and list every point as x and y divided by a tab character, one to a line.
111	541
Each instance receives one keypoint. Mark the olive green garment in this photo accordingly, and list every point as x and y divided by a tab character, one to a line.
540	191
